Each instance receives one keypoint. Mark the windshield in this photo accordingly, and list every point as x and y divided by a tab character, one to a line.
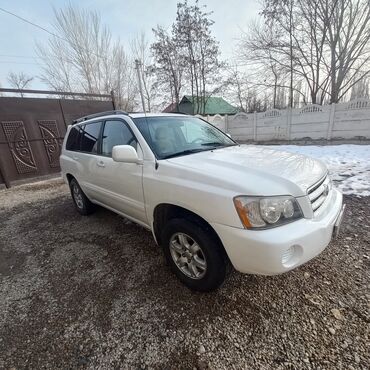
174	136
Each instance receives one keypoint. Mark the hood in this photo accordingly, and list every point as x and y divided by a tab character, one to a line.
255	170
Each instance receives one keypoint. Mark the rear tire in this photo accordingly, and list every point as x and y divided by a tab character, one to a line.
80	200
195	255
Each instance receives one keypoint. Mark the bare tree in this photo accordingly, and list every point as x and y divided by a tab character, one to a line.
323	45
237	87
19	81
188	56
168	64
140	49
302	41
83	56
244	90
361	89
274	11
348	38
270	68
193	35
292	42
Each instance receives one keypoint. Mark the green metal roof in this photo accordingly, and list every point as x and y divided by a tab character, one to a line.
214	105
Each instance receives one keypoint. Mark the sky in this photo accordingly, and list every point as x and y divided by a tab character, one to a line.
125	18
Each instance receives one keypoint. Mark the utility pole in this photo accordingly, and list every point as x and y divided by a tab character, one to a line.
137	67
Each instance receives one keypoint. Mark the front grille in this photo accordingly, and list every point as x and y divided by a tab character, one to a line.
318	193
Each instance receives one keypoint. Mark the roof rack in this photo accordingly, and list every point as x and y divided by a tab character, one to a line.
100	114
183	113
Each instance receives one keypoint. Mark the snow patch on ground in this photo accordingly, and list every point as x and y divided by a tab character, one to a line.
349	165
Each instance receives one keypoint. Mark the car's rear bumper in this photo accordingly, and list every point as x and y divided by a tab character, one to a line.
277	250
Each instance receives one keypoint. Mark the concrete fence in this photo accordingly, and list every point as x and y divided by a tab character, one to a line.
313	122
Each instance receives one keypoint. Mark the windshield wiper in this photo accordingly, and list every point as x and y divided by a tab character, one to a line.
215	143
183	152
218	145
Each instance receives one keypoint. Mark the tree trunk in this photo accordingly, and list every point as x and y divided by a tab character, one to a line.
333	72
291	53
313	97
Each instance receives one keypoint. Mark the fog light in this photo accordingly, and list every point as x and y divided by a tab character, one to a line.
287	255
291	256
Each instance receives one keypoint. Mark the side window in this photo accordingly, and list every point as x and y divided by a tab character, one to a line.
74	139
116	133
90	137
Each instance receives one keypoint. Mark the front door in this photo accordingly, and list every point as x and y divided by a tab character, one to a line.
119	184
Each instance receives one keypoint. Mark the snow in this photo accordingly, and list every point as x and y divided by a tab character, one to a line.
349	165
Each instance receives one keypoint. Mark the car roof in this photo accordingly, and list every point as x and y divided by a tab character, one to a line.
148	115
113	114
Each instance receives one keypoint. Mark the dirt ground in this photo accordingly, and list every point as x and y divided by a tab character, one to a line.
94	292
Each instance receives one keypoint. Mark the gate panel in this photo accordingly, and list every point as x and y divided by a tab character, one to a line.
27	155
32	132
19	146
52	140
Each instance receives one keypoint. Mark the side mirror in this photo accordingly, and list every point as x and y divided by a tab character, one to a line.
125	153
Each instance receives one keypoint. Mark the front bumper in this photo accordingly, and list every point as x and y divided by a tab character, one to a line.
277	250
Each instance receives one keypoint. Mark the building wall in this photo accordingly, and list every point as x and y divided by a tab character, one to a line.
186	108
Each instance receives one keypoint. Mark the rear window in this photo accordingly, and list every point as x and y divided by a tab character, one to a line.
90	137
84	138
74	139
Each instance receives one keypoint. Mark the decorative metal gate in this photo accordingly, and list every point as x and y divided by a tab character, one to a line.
32	131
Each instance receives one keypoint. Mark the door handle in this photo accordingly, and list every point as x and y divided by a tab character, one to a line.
100	164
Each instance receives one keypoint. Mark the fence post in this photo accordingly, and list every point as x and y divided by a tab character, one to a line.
255	126
289	122
226	123
331	122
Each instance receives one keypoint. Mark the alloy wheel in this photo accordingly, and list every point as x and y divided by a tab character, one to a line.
77	196
188	256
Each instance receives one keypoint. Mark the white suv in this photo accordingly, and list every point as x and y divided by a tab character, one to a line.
207	200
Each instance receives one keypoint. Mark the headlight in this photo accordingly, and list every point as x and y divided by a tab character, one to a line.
267	212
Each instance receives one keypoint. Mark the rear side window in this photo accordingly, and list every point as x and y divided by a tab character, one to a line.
116	133
90	137
74	139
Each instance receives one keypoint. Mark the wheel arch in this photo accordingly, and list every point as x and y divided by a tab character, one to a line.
166	211
70	177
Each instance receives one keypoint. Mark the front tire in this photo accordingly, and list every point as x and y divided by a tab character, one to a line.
195	255
80	200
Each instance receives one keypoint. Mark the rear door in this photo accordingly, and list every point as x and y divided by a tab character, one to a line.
86	157
79	154
120	184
